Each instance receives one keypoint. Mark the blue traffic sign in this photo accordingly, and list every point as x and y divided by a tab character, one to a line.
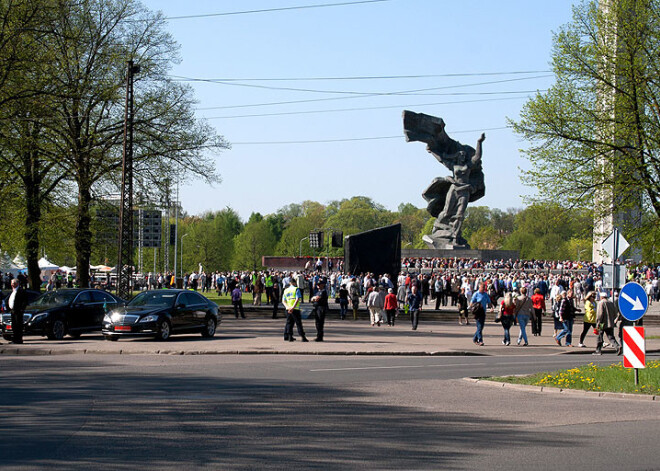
633	301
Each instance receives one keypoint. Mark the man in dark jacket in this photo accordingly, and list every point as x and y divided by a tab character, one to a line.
16	303
320	300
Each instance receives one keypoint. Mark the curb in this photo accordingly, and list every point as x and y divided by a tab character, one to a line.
46	351
572	392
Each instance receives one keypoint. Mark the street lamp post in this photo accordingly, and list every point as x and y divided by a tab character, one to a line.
184	235
300	246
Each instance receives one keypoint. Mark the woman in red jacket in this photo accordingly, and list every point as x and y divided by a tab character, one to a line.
538	302
390	307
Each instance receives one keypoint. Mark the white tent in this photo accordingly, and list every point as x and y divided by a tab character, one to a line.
45	265
67	270
7	266
20	262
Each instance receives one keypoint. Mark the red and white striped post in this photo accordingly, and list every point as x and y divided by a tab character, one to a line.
634	349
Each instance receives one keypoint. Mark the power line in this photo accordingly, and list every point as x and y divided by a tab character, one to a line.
286	113
365	77
345	92
269	10
325	141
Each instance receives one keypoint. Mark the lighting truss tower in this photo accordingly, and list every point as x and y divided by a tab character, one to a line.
125	252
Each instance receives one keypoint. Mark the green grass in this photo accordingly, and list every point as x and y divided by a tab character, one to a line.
612	378
224	300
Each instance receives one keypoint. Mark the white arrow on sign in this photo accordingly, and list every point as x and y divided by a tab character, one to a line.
637	304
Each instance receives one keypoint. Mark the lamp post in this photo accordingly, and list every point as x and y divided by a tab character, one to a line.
300	246
184	235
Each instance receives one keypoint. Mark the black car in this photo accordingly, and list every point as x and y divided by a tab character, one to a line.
64	311
4	305
161	313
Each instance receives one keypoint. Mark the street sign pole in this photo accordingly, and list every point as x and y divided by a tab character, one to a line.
615	259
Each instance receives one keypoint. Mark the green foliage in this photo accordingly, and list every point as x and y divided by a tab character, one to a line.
591	377
595	133
255	241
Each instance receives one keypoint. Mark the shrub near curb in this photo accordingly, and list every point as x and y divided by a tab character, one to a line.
612	378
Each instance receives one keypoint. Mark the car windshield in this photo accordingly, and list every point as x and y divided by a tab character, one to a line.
154	298
55	298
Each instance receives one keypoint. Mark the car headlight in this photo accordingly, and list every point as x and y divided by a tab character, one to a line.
107	318
149	318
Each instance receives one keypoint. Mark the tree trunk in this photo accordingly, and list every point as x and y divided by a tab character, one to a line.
32	231
83	238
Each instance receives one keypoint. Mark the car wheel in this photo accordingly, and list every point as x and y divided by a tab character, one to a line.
111	338
7	336
74	335
164	330
57	330
209	328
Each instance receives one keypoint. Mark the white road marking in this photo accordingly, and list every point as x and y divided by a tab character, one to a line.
399	367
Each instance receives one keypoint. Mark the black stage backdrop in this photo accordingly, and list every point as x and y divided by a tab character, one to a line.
377	251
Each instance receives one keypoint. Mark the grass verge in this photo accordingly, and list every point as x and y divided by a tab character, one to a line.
611	378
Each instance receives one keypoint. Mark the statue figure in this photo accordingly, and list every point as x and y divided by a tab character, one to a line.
447	197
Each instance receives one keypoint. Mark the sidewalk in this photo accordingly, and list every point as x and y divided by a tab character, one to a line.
256	335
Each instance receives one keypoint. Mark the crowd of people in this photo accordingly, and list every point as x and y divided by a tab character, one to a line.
517	292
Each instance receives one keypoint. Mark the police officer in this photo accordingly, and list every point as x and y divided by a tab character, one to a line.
320	300
268	284
292	298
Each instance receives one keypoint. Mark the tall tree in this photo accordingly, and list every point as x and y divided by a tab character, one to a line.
596	131
91	43
254	242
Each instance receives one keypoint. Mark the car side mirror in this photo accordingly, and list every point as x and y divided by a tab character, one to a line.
180	306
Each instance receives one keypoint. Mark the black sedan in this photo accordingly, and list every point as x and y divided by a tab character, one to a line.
161	313
64	311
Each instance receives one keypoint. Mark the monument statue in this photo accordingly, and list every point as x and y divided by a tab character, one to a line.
447	197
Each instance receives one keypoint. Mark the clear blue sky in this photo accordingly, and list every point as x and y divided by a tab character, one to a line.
273	163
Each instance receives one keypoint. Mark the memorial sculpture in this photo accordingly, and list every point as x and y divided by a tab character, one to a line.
447	197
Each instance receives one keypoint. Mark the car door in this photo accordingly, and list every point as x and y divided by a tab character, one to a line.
80	314
197	309
181	314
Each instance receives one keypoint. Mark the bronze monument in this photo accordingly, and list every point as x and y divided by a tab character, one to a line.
447	197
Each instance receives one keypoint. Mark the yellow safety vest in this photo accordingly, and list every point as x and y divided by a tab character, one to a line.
290	297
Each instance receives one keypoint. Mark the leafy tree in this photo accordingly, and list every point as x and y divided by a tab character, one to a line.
412	221
90	42
596	131
485	238
254	242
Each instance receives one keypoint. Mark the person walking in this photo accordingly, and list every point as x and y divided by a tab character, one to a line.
292	299
343	301
237	302
478	305
589	316
567	312
606	313
390	307
524	310
16	303
415	305
275	297
320	302
538	303
463	308
375	306
507	311
354	293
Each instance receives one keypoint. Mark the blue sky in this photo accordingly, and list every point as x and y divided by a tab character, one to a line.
470	48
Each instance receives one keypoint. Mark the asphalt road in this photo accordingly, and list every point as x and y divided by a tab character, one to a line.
309	412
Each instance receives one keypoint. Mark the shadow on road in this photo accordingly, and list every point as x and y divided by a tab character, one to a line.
97	417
